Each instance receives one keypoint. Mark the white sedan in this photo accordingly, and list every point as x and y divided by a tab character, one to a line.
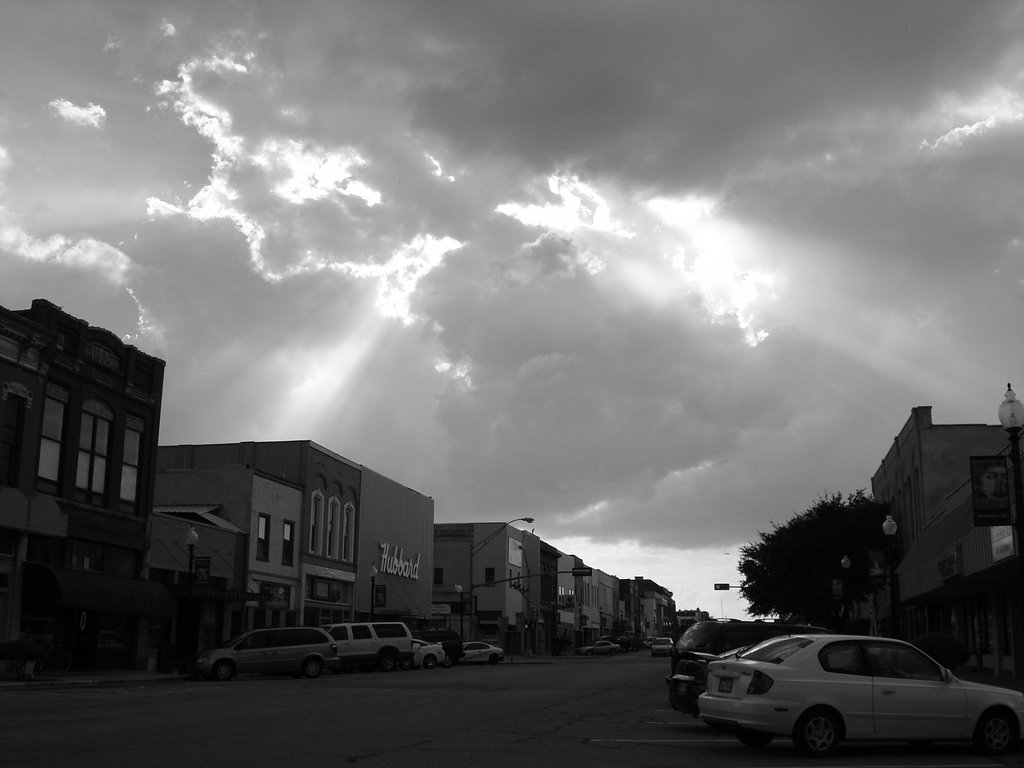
822	689
478	652
427	655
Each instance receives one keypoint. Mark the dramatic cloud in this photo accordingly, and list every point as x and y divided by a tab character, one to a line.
655	274
91	116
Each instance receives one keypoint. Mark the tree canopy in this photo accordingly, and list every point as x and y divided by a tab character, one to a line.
789	573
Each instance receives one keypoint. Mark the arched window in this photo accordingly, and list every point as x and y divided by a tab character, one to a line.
316	522
333	518
348	525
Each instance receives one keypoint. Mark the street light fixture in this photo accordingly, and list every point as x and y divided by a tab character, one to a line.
889	528
191	539
462	610
474	548
373	588
1011	416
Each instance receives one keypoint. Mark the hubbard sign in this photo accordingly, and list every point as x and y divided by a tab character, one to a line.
394	562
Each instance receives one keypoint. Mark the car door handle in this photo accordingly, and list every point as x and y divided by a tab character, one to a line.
888	692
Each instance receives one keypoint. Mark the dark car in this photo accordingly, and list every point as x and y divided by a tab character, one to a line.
707	641
449	639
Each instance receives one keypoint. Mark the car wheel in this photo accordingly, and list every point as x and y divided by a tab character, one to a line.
818	732
312	667
996	733
493	659
754	738
388	661
223	671
429	661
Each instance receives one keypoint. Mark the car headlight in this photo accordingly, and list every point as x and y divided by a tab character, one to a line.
201	659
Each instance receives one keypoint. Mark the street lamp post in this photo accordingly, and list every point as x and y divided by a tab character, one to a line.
841	592
373	588
889	528
462	610
474	548
1011	416
191	539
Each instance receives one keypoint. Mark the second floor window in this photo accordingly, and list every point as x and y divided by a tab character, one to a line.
332	528
130	462
263	538
52	437
93	450
316	522
288	543
348	522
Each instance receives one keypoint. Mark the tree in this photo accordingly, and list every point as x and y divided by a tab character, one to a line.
790	571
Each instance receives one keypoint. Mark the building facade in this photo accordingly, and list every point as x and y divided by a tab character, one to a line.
323	533
951	575
79	427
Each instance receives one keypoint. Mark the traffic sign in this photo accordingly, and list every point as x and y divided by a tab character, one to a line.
723	586
582	571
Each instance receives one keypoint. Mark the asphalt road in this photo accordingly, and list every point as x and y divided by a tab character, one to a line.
569	713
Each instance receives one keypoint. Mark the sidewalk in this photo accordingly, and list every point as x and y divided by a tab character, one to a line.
121	677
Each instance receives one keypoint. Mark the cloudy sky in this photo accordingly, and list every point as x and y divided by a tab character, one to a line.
657	274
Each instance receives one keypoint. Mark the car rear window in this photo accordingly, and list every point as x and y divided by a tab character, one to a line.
776	650
698	637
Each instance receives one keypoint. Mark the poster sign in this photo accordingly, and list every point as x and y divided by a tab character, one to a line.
990	491
380	595
202	570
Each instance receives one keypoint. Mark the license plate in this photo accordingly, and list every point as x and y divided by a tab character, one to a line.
725	685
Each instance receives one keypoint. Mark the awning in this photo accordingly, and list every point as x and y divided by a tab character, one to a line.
105	594
200	592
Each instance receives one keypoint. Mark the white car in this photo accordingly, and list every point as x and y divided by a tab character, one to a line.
820	690
427	655
478	652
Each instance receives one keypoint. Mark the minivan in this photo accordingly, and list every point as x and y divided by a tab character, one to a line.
384	644
276	650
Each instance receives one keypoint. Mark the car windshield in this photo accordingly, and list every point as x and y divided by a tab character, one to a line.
232	641
776	650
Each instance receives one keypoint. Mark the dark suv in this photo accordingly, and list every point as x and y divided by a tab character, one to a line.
706	641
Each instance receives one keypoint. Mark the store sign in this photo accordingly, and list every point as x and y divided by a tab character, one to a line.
394	562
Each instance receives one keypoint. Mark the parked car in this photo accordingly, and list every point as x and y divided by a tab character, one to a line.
427	655
821	690
450	640
629	643
281	650
384	644
706	641
479	652
661	646
605	648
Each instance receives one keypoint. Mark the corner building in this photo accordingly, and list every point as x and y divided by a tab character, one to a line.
79	421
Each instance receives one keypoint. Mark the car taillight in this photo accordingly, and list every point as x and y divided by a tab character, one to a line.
760	683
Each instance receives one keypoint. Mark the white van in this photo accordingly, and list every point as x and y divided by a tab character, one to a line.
386	644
